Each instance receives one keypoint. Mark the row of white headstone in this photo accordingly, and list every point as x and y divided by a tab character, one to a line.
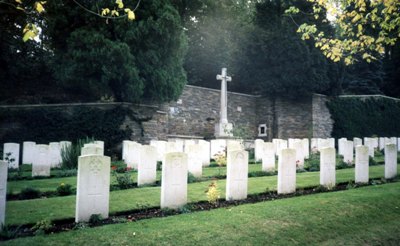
93	182
41	156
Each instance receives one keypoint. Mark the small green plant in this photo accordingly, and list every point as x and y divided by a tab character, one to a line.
159	165
29	193
80	225
191	178
8	232
351	185
213	193
95	219
64	189
186	209
372	161
66	173
124	180
312	164
42	227
10	160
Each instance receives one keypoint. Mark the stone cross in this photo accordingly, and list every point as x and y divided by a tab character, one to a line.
224	95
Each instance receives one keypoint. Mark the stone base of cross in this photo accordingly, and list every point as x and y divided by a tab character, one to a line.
223	130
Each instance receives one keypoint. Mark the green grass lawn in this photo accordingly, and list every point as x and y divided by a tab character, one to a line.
32	211
364	216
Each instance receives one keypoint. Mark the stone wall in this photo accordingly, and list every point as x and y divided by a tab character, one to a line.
321	118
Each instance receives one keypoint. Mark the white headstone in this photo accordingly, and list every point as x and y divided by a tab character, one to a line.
268	159
218	147
287	171
298	146
348	152
187	143
133	155
41	164
362	164
98	144
341	142
179	145
125	146
282	144
11	154
323	143
390	161
147	168
206	152
370	144
195	161
398	144
28	152
233	145
236	175
381	143
93	187
314	145
357	142
55	154
91	149
161	148
174	180
275	141
306	147
3	191
258	147
327	167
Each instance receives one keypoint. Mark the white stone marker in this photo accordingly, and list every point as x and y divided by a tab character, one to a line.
179	145
100	144
205	152
161	148
28	152
323	143
341	142
92	149
41	165
125	147
327	167
133	155
298	146
147	168
195	162
268	159
258	147
174	180
187	143
314	145
275	141
398	144
11	151
218	146
357	142
287	171
3	191
362	164
393	140
390	161
93	187
55	154
381	143
370	144
236	175
306	147
348	152
233	145
282	144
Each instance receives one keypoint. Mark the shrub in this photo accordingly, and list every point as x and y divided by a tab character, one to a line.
372	161
192	178
64	189
95	219
29	193
8	232
66	173
124	181
213	193
42	227
70	154
313	163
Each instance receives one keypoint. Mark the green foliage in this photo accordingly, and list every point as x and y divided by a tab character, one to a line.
95	219
358	118
70	154
8	232
64	189
313	163
191	178
372	161
124	180
46	125
42	227
29	193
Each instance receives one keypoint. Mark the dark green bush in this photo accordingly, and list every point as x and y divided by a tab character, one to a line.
360	118
70	154
64	189
29	193
124	180
312	163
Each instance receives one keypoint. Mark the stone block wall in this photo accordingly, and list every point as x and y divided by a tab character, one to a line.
321	118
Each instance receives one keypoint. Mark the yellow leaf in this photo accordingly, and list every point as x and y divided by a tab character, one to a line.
360	28
18	1
105	11
114	12
336	59
131	15
28	35
20	8
39	7
120	4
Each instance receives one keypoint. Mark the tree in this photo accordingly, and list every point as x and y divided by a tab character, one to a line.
365	28
132	61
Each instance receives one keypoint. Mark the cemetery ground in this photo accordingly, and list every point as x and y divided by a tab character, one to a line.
364	215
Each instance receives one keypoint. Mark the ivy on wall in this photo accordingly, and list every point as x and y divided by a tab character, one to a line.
44	125
354	117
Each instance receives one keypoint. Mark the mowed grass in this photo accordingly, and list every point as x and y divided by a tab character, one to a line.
32	211
51	184
364	216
